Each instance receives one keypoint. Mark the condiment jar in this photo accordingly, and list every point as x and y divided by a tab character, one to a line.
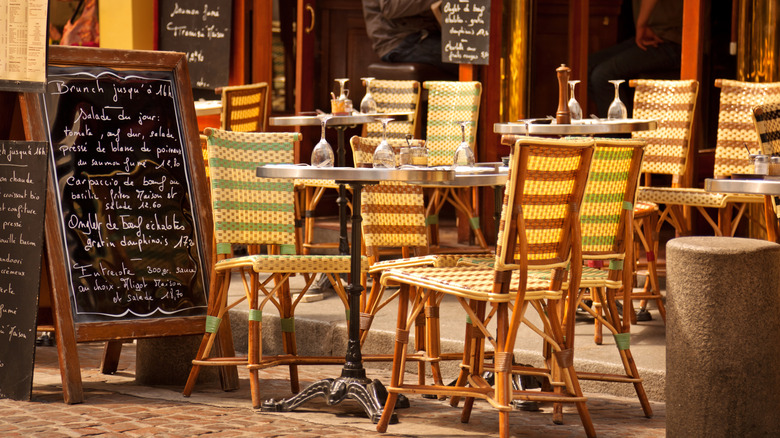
761	165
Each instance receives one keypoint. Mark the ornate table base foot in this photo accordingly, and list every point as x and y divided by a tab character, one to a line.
371	395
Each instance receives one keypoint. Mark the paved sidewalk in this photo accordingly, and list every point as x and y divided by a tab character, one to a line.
115	405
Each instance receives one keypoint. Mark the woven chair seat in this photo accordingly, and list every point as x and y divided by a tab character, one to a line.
471	282
693	197
326	183
643	208
291	263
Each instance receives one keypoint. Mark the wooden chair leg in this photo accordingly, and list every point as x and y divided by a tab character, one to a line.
399	350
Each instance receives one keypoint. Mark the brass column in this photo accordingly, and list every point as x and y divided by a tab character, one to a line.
514	59
758	51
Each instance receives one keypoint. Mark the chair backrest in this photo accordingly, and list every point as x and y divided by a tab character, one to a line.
363	149
540	217
248	209
672	104
393	212
449	104
608	204
735	123
244	107
767	120
394	97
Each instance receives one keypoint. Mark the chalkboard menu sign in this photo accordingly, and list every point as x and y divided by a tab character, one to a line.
202	31
465	31
22	203
124	194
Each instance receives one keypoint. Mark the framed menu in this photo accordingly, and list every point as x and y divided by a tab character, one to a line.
22	203
202	31
23	44
129	192
465	31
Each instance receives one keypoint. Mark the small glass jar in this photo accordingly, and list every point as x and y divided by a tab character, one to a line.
405	157
774	166
419	153
761	165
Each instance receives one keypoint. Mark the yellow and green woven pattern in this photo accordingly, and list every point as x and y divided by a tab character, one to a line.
608	195
735	124
767	121
394	97
393	212
363	149
248	209
672	104
449	104
552	182
243	107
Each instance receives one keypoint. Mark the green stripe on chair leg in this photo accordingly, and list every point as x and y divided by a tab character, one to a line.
212	323
474	222
432	219
623	340
616	265
288	324
346	312
256	315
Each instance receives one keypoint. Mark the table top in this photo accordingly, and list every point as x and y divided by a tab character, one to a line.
354	174
578	127
767	185
354	119
208	107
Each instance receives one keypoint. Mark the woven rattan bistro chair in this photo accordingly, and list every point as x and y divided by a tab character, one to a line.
606	221
253	211
394	97
244	107
390	97
736	134
767	121
449	104
394	221
539	230
672	103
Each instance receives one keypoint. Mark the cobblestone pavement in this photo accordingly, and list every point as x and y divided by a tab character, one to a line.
115	405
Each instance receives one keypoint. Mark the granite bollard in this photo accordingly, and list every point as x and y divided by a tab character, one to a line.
723	320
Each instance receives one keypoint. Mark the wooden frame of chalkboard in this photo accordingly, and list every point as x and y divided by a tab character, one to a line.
119	194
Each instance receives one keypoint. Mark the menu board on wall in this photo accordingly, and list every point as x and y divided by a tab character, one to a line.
23	44
125	198
202	31
465	31
22	202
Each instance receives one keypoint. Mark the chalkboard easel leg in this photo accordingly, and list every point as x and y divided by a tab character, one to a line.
67	352
111	352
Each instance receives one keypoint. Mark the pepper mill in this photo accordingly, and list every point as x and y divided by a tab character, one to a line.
563	116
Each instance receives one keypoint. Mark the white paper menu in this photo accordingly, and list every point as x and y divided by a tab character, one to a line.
23	40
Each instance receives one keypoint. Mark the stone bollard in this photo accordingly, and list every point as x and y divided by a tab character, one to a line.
722	329
167	361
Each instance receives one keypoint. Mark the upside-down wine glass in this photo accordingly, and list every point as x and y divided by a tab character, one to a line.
368	104
322	155
617	110
575	110
464	156
384	156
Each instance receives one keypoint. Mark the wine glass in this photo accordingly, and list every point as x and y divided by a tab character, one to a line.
322	155
368	104
464	156
617	110
575	110
384	156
